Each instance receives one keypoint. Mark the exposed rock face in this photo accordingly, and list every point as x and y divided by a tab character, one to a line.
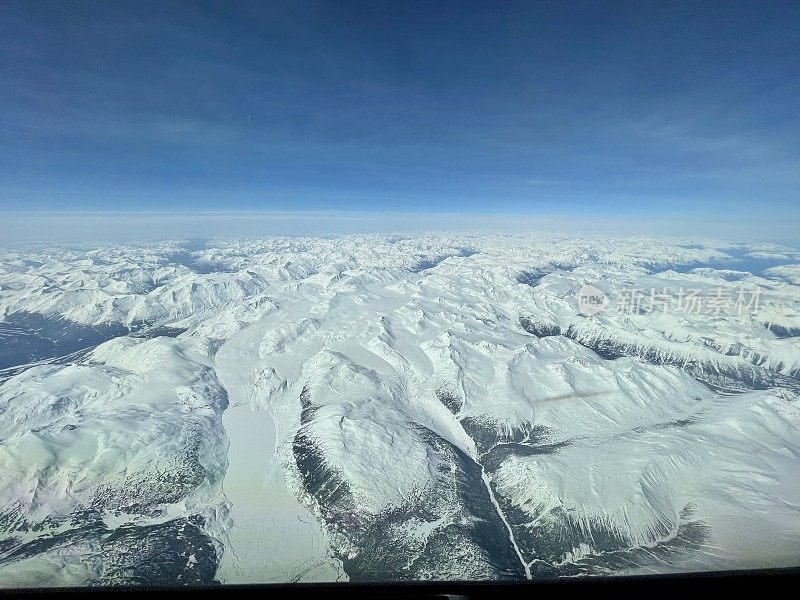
539	328
724	371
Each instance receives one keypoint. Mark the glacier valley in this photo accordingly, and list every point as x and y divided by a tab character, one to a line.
386	408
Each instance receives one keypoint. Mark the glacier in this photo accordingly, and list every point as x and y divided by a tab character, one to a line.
387	408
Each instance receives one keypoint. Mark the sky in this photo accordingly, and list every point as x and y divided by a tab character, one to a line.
685	113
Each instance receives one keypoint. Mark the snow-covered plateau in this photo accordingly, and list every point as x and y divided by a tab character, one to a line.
373	408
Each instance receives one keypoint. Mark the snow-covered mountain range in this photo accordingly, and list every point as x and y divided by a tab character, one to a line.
396	408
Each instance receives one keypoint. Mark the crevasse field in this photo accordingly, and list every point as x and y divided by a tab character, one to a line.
373	408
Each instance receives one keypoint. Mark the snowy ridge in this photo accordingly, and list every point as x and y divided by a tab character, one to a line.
125	443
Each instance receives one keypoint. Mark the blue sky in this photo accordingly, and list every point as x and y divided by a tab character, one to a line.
657	109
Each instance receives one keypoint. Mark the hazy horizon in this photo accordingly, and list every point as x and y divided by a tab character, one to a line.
44	227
